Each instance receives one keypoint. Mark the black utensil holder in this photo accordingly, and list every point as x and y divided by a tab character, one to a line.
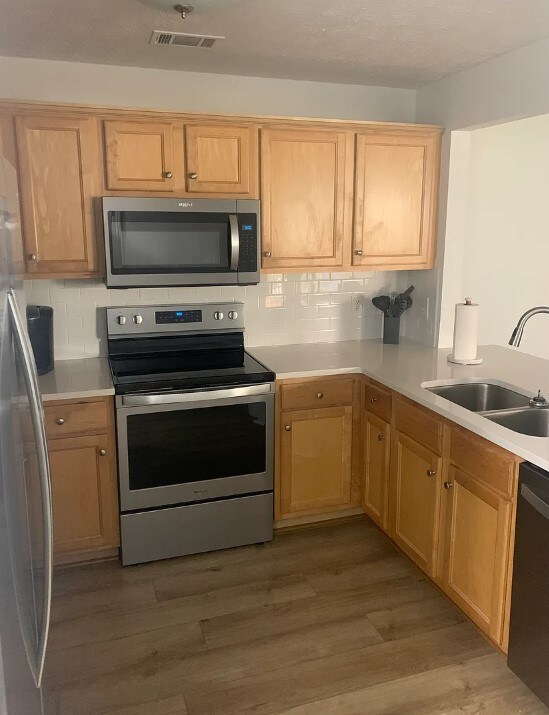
391	330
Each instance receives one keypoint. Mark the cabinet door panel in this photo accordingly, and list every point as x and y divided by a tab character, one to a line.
303	198
316	459
221	159
415	478
139	155
395	205
59	176
376	468
477	551
85	504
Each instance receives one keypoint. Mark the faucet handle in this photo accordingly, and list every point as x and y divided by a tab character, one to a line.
539	400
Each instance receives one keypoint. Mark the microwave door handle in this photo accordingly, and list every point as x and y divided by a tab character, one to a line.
37	418
235	242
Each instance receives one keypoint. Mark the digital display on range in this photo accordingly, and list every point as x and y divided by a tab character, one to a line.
178	316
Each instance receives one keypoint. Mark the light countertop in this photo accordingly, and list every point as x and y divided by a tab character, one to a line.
74	379
405	367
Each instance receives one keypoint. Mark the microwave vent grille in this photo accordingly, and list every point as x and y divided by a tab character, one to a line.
182	39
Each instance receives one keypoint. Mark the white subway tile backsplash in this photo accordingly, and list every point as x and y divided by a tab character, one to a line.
283	308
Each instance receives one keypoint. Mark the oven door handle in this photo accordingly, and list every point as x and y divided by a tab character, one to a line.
235	242
180	397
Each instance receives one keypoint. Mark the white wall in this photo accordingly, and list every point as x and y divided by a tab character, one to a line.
46	80
509	87
506	247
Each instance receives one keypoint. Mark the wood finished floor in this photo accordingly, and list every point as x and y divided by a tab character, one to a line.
327	620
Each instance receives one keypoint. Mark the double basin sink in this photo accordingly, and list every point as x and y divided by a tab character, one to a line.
498	404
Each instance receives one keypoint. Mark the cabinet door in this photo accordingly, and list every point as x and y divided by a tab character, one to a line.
221	159
478	530
140	155
59	178
85	502
303	191
316	460
395	200
415	500
376	468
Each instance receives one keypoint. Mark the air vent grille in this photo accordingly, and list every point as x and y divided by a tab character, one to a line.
183	39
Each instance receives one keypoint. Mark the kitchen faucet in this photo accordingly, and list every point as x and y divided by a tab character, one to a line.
516	335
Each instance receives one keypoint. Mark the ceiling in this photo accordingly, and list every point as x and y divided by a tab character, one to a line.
396	43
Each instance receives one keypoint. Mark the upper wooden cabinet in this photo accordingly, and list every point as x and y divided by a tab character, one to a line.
221	159
59	175
140	155
305	192
396	200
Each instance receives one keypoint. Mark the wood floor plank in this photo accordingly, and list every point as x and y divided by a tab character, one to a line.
405	620
103	600
480	685
164	706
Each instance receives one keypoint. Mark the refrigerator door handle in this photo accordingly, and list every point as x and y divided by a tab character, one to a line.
37	416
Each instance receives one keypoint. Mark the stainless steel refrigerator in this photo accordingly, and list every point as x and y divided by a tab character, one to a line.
25	490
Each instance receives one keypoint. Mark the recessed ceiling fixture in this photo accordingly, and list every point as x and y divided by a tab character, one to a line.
183	39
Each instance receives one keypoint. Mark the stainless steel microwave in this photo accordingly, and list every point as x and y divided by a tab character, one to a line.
180	242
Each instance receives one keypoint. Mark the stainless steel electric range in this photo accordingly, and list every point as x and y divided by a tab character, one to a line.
195	422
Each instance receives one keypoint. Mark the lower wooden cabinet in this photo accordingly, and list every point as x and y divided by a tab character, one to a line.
415	500
84	481
376	442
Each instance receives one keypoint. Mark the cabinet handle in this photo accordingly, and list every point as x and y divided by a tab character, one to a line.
168	174
288	428
32	257
373	400
267	254
358	252
448	485
60	421
431	473
320	395
102	452
381	437
193	175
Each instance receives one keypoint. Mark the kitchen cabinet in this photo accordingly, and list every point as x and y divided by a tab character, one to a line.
396	189
140	155
221	159
59	176
306	194
81	446
376	433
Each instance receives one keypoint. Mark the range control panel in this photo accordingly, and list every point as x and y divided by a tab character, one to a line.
154	319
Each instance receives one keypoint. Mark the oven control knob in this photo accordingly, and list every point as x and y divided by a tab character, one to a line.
121	320
138	319
233	315
218	315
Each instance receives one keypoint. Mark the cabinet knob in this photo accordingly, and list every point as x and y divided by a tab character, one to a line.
267	254
60	421
320	395
32	257
373	400
168	174
431	472
358	252
381	437
288	428
193	175
102	452
448	485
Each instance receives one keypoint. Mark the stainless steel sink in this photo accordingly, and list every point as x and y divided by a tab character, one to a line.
481	396
533	421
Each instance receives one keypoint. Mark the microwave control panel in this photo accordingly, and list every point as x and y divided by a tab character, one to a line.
247	227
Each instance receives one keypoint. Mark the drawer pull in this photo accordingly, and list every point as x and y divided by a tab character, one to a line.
168	174
320	395
33	257
193	175
448	485
358	252
60	421
288	428
102	452
380	437
267	254
431	473
373	400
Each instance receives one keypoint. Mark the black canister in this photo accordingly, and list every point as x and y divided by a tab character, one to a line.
40	327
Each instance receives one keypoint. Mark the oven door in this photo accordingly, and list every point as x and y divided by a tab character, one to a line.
184	447
156	242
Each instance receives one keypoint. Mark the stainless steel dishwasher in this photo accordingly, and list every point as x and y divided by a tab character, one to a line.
529	629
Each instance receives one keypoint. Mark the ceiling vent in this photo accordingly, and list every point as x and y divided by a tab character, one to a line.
183	39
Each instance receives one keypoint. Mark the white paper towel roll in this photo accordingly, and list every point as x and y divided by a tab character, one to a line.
466	333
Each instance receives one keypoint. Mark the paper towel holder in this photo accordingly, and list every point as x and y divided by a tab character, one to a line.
469	361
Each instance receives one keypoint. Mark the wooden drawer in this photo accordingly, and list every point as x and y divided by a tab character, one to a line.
317	393
75	417
483	460
378	401
419	424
